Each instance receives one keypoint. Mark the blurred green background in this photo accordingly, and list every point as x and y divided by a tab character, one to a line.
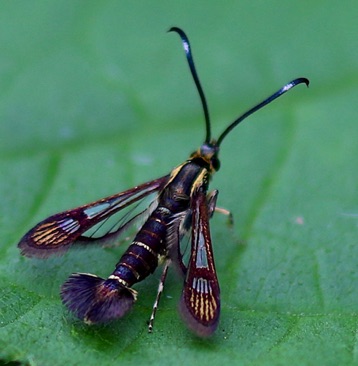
96	97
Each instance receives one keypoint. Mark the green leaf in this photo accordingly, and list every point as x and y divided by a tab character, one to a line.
96	97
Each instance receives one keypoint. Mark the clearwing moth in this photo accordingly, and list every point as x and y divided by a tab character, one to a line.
181	205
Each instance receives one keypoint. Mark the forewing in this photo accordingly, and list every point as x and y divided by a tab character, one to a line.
57	233
200	301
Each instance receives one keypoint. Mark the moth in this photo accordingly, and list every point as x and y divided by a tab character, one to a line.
182	205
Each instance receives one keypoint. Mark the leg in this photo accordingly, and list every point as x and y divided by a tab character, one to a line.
226	212
159	293
212	198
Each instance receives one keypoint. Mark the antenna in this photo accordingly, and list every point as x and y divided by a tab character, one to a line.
268	100
194	74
